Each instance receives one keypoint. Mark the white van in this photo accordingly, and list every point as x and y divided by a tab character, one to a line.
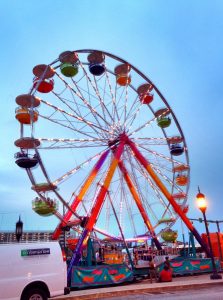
31	271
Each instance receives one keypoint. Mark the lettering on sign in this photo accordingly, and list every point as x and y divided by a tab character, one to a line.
31	252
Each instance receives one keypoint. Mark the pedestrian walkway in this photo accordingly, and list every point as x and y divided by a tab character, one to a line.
178	283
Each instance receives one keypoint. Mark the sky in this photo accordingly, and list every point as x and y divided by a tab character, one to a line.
177	44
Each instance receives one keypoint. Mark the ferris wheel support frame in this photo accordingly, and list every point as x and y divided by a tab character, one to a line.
144	162
87	184
97	206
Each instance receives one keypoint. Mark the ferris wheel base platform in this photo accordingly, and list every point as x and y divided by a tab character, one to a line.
181	266
100	275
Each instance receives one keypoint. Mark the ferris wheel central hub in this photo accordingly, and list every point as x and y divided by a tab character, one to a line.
114	142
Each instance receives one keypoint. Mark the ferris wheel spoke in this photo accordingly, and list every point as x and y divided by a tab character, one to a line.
125	107
159	197
74	170
103	105
78	115
64	125
69	146
133	112
167	179
65	102
146	124
61	143
77	93
112	125
83	133
148	204
95	88
132	118
94	109
150	141
92	97
120	92
114	110
79	120
161	165
167	158
165	205
81	129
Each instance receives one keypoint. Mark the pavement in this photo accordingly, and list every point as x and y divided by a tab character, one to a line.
178	283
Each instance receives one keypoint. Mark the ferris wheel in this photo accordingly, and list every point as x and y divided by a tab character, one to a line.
98	136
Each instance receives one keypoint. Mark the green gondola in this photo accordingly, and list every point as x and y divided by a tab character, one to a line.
169	235
69	70
163	122
44	207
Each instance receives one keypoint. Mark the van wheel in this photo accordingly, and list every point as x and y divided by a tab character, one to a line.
35	294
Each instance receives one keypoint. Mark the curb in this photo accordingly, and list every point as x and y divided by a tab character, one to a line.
136	289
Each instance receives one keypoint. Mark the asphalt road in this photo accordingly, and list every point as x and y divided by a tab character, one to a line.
211	293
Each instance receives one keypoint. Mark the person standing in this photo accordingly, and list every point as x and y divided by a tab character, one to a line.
152	270
167	262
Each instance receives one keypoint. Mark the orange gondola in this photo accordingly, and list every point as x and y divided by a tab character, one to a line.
122	74
181	180
26	116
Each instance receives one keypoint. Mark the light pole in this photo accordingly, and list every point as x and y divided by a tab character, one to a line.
202	205
19	229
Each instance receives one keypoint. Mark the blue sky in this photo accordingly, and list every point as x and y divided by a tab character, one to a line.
177	44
